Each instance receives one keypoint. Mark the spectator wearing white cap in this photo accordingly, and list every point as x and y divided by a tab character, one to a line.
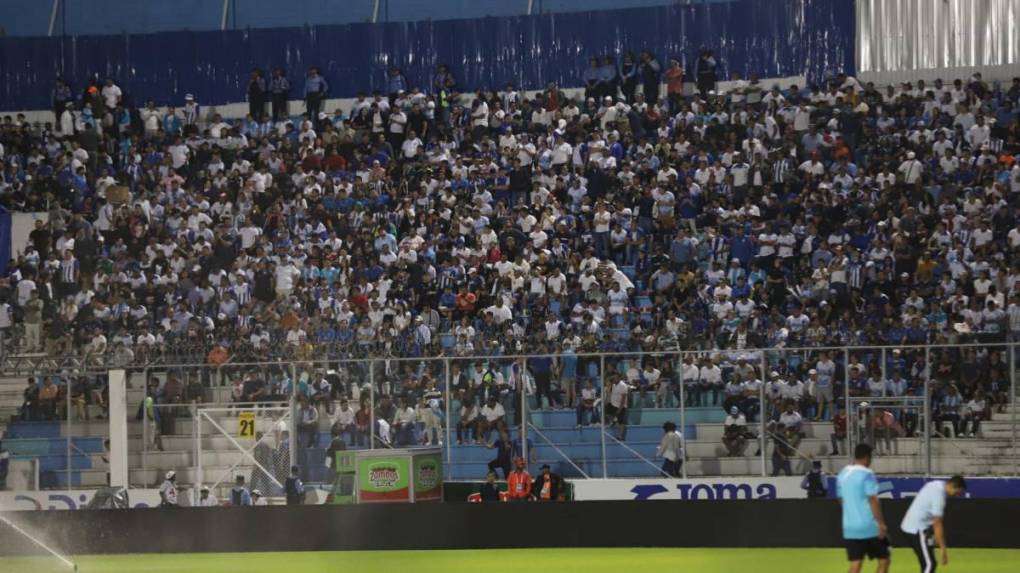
735	433
190	111
911	169
257	499
206	499
168	490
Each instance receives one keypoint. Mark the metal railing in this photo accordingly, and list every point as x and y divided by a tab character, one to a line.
437	388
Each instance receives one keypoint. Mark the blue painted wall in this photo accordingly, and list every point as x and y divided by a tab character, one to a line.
773	38
77	17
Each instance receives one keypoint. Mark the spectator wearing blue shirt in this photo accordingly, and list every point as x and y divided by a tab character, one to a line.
864	528
396	83
171	122
239	495
518	449
315	91
742	247
279	86
541	368
607	78
590	77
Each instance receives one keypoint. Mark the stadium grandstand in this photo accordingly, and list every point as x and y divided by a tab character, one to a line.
629	249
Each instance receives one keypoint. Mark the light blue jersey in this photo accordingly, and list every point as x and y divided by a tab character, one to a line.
855	485
929	504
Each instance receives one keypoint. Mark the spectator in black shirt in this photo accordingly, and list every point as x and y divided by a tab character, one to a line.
489	491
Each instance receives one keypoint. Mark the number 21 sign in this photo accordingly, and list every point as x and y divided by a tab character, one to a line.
246	424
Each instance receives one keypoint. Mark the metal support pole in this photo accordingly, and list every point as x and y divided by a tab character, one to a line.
53	19
371	405
447	399
602	413
145	433
196	414
69	428
524	410
885	375
678	371
927	411
223	15
292	434
1013	405
762	412
375	11
847	449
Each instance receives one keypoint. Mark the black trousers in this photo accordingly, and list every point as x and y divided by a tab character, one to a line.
924	548
313	103
651	91
279	105
256	107
671	468
501	465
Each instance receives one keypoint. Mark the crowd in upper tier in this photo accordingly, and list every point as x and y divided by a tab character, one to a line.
434	220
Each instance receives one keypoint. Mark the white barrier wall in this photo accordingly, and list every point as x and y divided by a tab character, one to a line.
688	489
68	499
118	429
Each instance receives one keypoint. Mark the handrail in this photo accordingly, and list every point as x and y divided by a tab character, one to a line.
558	450
85	365
633	451
799	453
80	451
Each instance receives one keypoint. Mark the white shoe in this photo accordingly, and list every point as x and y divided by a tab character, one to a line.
970	435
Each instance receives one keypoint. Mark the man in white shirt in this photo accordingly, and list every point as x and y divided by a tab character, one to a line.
168	491
710	381
616	410
286	275
790	417
911	169
343	422
493	418
205	499
404	425
924	517
734	433
671	449
111	94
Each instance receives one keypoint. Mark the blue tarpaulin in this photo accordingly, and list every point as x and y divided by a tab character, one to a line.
772	38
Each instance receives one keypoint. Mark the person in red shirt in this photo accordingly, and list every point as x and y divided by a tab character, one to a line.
674	85
465	302
359	300
838	428
519	482
548	486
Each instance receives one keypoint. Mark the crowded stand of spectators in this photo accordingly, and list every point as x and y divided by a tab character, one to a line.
436	221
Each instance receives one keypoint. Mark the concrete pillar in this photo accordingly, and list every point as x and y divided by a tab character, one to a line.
118	428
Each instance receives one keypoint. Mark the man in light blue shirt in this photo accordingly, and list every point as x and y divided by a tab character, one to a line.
925	517
864	529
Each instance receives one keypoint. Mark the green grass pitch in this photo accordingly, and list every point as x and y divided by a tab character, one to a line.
515	560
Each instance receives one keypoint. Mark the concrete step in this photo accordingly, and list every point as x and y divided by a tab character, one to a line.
152	477
714	432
